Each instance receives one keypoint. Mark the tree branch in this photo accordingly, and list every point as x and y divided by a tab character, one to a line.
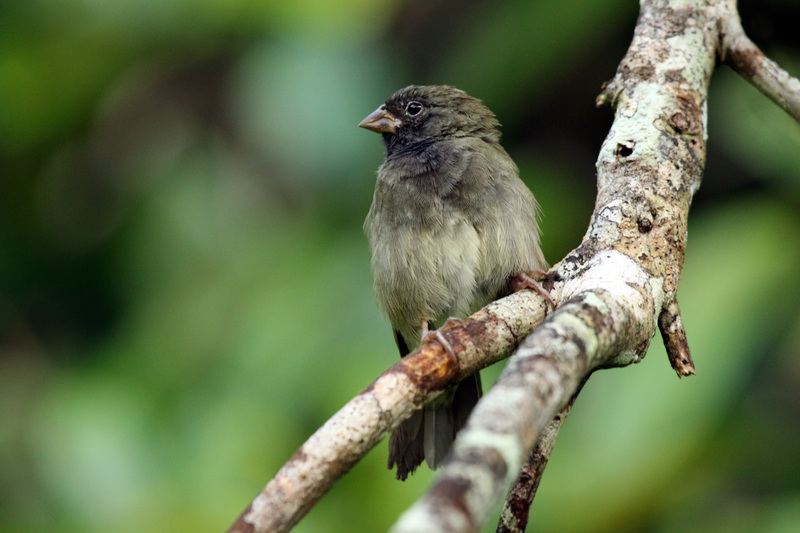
514	516
738	51
612	292
485	338
613	287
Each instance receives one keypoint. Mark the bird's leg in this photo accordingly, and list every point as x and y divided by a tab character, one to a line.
527	280
438	335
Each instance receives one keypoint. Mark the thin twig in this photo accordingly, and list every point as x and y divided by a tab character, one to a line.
749	61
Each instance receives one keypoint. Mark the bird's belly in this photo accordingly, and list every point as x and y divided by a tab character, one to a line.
426	274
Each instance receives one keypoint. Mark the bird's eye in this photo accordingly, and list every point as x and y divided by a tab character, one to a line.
413	108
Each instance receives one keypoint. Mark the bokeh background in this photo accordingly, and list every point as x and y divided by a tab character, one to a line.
185	293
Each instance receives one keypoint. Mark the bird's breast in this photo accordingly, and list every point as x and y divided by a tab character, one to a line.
425	271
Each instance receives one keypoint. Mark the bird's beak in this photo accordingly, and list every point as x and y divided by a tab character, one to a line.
381	121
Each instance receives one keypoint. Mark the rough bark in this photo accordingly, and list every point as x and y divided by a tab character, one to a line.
514	516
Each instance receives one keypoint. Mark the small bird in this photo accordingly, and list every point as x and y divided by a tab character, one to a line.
452	227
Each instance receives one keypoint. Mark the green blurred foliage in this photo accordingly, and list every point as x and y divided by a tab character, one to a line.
185	292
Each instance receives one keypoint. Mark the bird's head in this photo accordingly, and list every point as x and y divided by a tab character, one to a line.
421	114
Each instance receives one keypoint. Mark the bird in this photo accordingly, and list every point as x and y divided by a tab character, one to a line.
451	228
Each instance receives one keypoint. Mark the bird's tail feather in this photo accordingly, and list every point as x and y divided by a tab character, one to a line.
428	434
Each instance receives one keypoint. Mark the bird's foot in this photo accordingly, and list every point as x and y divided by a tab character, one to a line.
527	280
437	334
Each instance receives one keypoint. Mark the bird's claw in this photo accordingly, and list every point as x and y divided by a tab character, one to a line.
526	280
437	334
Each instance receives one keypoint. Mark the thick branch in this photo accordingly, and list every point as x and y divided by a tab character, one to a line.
749	61
486	337
593	328
514	516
